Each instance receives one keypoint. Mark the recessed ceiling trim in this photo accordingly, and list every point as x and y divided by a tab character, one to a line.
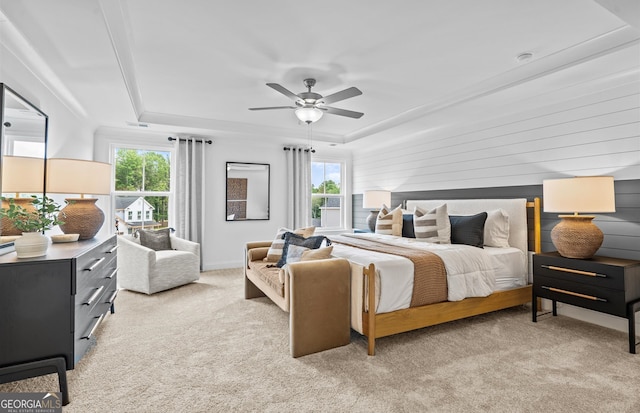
610	42
117	24
229	128
14	42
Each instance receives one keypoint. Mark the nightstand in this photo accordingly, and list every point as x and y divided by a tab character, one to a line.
607	285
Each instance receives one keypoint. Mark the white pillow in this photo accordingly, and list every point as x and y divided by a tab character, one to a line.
496	229
389	222
432	226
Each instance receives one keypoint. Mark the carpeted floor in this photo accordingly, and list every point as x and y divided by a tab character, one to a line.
204	348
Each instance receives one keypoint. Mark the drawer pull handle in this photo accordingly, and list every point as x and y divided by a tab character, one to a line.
94	295
588	297
588	273
112	298
113	273
93	328
112	250
95	264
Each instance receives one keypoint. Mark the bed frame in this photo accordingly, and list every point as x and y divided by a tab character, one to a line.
400	321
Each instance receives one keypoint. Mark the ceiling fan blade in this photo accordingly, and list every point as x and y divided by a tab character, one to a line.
342	95
284	91
274	107
342	112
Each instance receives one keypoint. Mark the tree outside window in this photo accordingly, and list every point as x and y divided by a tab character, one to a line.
142	188
327	199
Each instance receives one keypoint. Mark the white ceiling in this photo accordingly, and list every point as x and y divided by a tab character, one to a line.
196	66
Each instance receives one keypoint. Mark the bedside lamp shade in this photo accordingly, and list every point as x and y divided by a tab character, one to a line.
576	236
374	200
74	176
20	175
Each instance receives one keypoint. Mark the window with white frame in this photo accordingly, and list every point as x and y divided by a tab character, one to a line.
327	194
142	188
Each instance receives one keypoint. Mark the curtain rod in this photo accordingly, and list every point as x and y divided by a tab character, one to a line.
184	140
287	148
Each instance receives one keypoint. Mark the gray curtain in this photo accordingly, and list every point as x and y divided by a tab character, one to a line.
189	199
298	186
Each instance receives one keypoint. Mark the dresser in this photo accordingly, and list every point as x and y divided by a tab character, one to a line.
51	306
607	285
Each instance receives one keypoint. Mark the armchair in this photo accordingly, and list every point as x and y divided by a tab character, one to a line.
147	271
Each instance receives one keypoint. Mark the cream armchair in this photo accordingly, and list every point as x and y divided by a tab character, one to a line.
147	271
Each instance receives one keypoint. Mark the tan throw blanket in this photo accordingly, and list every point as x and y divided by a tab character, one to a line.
429	277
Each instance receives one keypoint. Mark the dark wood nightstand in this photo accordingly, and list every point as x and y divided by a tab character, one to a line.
607	285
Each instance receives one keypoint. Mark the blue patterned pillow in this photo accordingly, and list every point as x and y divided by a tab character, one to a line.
294	240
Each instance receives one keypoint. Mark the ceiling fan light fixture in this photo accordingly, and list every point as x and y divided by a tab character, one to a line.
309	115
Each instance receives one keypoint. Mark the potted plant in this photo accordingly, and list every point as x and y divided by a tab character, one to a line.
32	224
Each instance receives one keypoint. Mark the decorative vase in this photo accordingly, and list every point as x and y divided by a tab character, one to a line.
81	216
31	244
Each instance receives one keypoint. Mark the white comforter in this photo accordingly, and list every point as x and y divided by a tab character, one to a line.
470	271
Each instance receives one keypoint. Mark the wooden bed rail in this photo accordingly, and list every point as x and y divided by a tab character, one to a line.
399	321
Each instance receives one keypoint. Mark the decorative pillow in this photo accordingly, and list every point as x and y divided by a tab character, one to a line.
156	240
389	222
432	226
407	226
319	254
496	229
293	241
275	251
468	229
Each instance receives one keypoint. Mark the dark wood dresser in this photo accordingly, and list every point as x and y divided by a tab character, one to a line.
607	285
51	306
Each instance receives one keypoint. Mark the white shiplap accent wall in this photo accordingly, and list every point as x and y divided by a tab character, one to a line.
597	133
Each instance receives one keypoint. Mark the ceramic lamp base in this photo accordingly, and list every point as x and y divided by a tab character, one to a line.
371	220
576	236
81	216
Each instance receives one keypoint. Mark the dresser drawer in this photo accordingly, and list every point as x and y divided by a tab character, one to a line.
589	272
605	300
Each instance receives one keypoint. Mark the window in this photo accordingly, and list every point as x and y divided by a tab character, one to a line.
142	188
327	196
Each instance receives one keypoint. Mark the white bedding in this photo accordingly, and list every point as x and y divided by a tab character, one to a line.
471	271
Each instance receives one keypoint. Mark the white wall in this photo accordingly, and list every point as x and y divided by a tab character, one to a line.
223	242
596	132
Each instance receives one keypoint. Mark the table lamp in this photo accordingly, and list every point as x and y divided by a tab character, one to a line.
20	175
575	236
74	176
374	200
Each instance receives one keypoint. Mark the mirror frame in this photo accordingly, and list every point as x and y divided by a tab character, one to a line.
228	187
7	91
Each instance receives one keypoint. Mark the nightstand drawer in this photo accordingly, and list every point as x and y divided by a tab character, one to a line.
588	296
580	271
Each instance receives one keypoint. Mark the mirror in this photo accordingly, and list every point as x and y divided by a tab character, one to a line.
23	146
247	191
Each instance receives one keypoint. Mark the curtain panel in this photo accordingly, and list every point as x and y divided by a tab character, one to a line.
298	186
189	191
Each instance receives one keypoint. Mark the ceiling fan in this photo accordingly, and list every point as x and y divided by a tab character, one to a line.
310	106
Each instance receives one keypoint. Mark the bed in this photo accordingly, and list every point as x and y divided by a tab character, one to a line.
493	279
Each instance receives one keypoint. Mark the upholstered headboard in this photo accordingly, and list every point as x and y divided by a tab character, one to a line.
516	209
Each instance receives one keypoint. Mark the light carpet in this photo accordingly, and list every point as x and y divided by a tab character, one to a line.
204	348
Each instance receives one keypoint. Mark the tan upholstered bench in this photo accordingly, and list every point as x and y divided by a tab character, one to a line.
316	295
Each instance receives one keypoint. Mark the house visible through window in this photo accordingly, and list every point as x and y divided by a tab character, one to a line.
142	188
327	197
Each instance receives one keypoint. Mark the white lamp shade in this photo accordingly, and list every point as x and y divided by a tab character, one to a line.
75	176
585	194
21	174
375	199
309	115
